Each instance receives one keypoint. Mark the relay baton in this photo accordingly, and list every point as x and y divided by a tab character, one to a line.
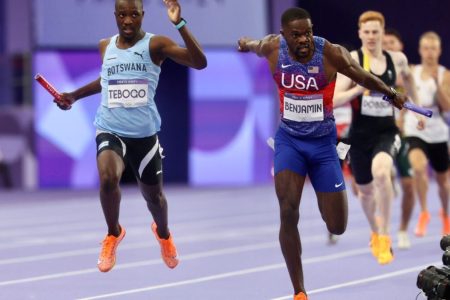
52	91
415	108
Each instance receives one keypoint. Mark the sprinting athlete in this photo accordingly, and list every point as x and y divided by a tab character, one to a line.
429	146
373	133
304	68
128	121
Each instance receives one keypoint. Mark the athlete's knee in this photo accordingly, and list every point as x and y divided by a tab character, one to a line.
337	230
443	182
109	181
382	170
442	178
382	179
289	215
417	159
155	197
408	188
420	172
337	227
366	191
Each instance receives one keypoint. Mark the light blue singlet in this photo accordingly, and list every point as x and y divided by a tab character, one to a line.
129	79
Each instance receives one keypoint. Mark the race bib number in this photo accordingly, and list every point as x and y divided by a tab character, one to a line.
306	108
373	105
127	93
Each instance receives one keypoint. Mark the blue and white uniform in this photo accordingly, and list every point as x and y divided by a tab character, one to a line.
127	119
129	79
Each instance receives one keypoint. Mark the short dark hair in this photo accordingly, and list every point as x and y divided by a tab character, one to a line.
394	32
294	13
140	2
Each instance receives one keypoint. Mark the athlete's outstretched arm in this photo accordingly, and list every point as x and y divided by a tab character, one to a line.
67	99
93	87
162	47
342	61
263	47
266	47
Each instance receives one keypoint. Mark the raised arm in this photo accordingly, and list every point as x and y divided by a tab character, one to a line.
162	47
443	91
343	63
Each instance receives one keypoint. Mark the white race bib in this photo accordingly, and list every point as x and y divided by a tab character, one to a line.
127	93
306	108
373	105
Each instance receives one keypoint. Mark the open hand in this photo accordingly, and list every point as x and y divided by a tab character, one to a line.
173	10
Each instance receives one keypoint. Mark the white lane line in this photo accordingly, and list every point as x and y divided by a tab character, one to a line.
318	259
365	280
87	237
56	255
15	215
217	236
51	228
222	235
226	251
197	255
186	282
312	260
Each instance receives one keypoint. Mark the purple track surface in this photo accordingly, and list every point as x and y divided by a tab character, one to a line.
228	245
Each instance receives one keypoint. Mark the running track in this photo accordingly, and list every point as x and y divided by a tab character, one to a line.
228	245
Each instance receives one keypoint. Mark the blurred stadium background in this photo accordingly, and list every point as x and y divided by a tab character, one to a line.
215	121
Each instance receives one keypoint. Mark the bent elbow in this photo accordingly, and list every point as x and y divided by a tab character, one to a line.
201	63
202	66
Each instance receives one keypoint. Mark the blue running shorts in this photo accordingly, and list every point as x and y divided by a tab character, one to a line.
313	156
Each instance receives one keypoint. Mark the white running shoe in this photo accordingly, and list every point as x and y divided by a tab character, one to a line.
403	240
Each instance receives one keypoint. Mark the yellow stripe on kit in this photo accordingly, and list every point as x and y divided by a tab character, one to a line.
366	66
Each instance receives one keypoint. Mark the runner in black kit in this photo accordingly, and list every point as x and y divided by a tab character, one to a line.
373	133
